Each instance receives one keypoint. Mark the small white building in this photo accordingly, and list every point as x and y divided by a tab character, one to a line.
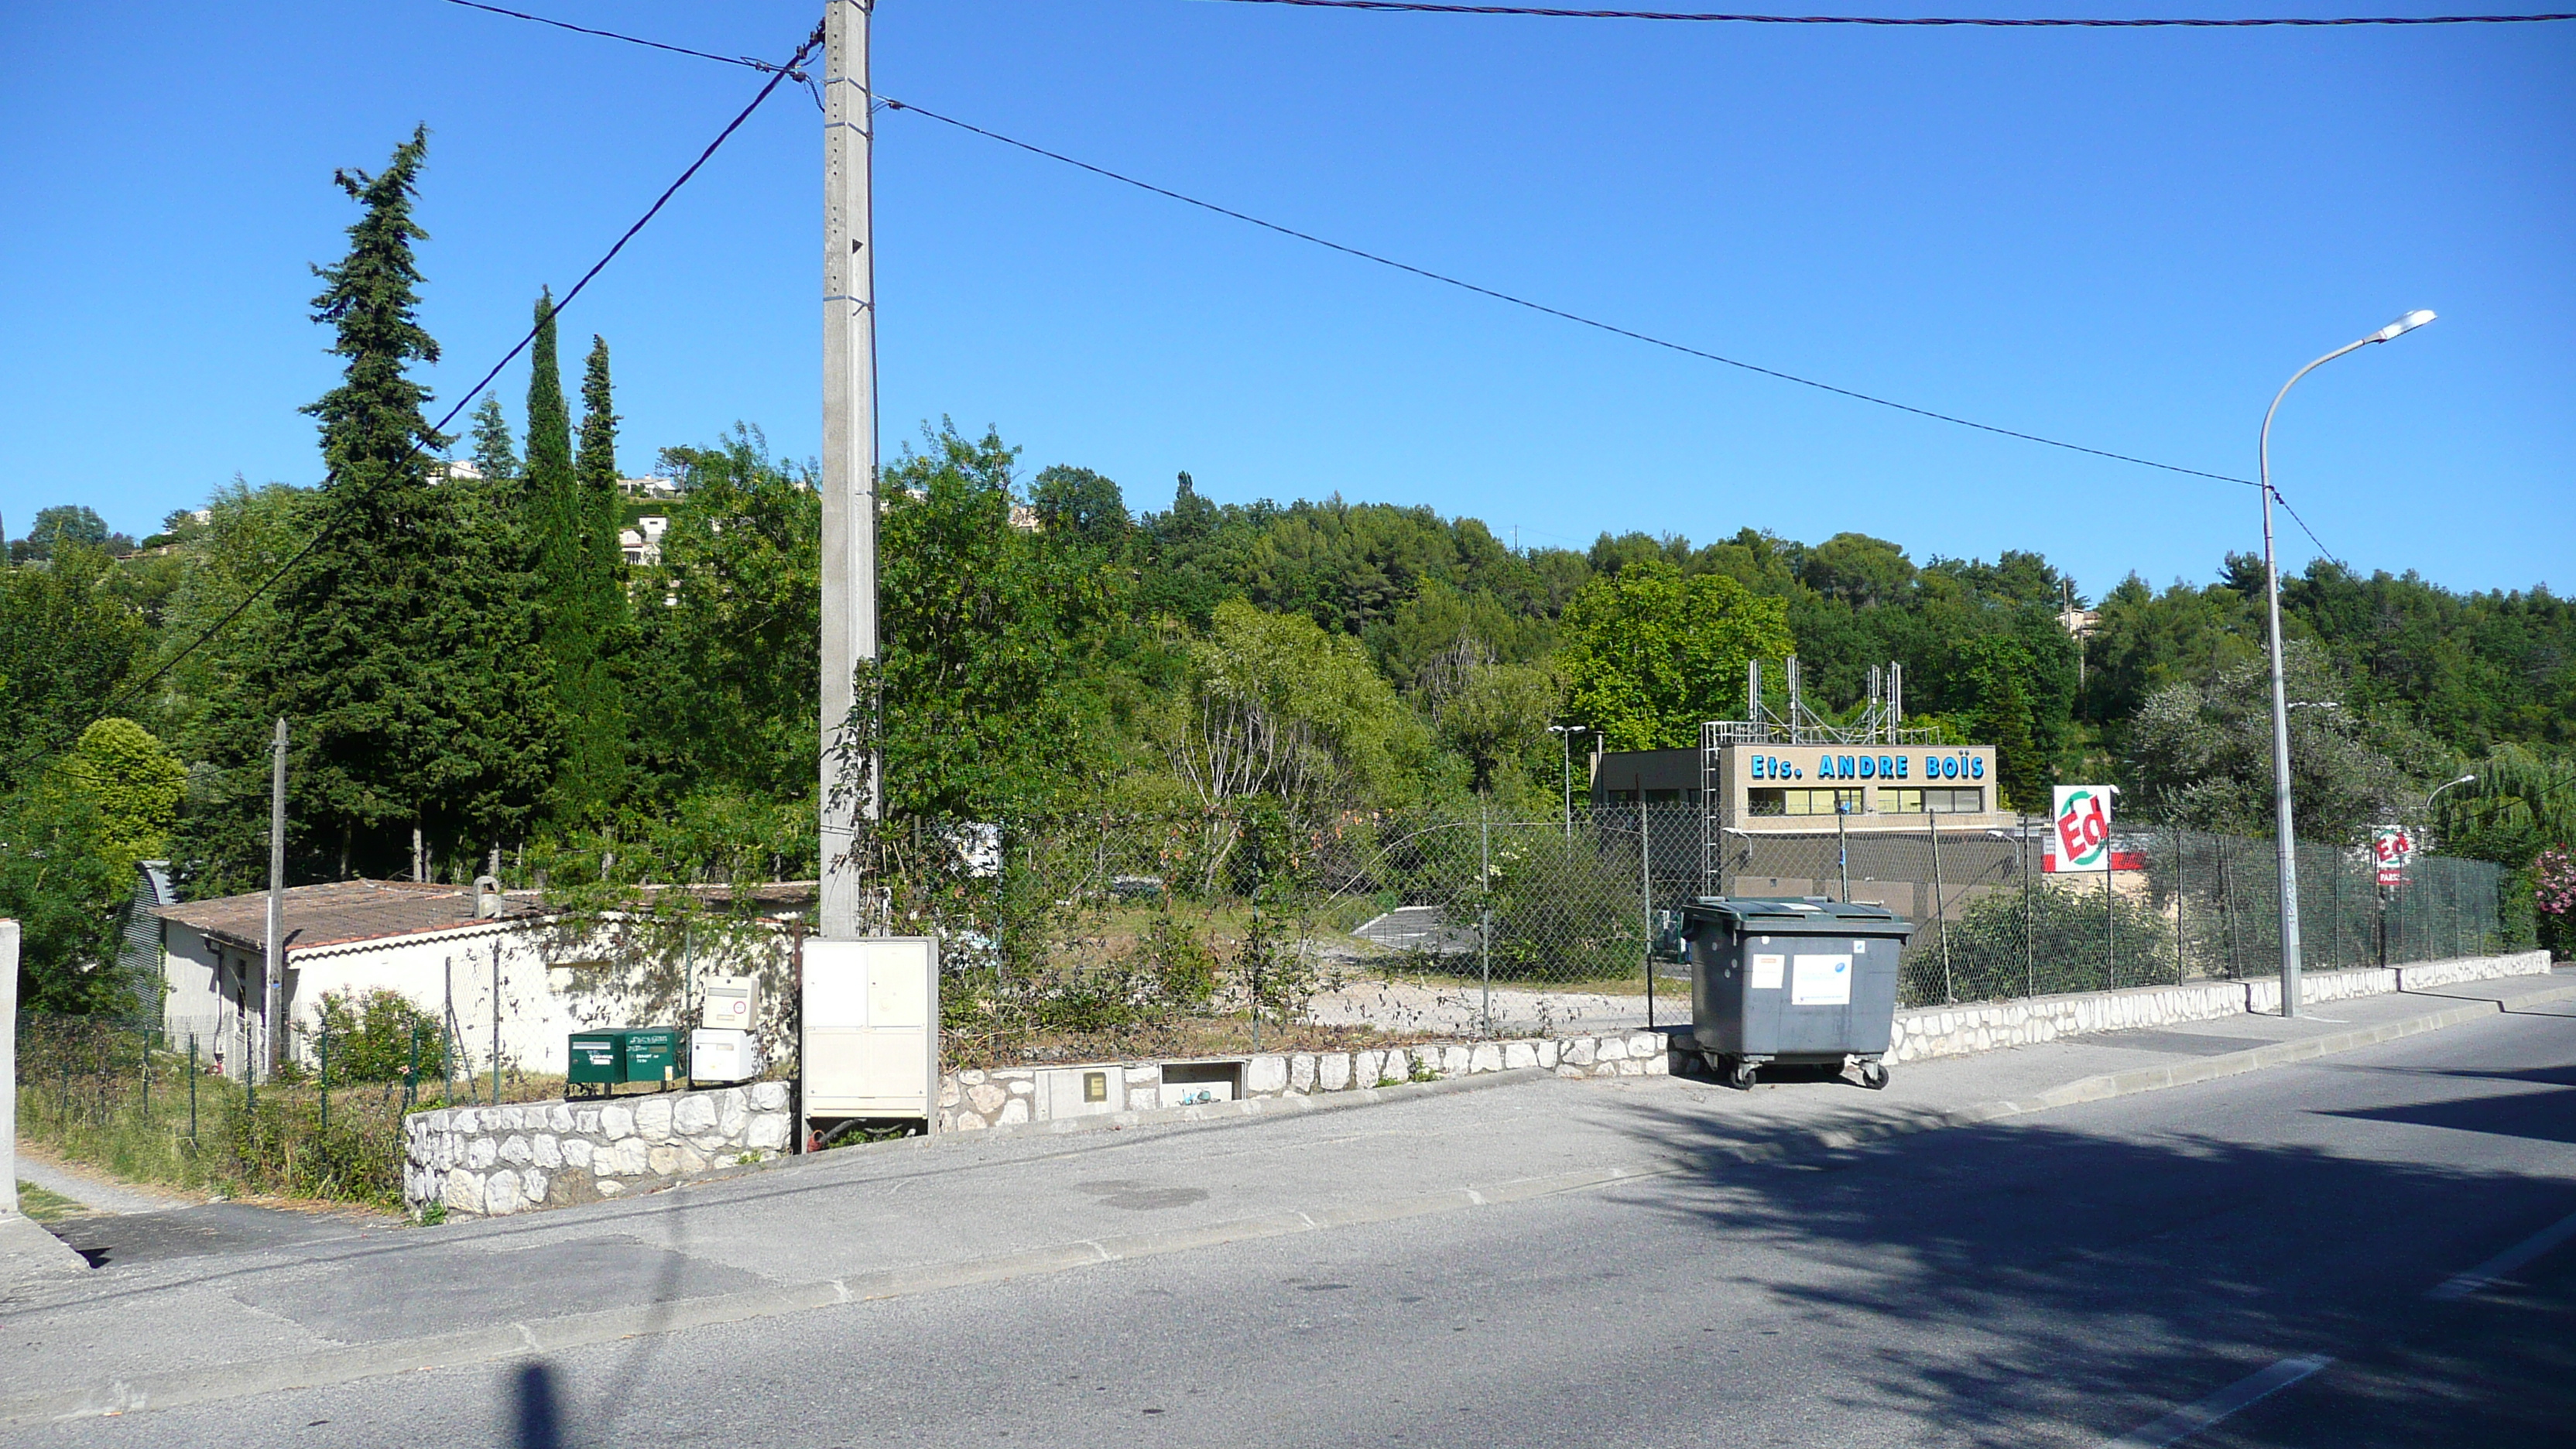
448	952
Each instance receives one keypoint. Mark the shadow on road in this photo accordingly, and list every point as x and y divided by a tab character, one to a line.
537	1421
1978	1278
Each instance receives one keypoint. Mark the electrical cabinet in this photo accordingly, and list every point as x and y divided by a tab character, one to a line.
870	1032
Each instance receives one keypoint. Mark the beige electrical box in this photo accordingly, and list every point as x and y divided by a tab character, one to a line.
730	1003
870	1040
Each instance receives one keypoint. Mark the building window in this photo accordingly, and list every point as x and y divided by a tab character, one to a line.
1934	802
1801	802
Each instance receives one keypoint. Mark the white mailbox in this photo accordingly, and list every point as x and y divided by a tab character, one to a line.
870	1039
730	1003
718	1054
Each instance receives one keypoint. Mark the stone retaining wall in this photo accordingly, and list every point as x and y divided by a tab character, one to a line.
493	1161
971	1101
1950	1031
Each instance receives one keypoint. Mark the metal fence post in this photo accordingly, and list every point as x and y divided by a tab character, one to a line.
1646	884
2181	967
323	1072
2029	932
1485	899
2111	912
496	1023
192	1089
1940	917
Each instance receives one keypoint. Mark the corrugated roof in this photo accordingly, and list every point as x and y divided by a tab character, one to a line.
338	913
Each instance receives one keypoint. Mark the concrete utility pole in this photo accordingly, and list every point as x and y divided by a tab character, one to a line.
849	452
273	995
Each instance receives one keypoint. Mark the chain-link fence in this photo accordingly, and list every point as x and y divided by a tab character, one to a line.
1215	931
2180	905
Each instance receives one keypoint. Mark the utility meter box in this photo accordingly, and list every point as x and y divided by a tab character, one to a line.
1083	1091
870	1032
730	1003
720	1054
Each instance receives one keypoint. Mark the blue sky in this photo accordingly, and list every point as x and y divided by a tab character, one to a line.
2122	238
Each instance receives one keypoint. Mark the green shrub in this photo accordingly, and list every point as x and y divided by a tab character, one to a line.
371	1037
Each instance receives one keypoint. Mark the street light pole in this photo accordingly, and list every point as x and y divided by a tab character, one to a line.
2285	835
1565	735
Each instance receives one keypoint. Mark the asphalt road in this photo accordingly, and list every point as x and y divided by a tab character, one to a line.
2067	1278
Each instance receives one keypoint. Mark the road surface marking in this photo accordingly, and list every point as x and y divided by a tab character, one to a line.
2502	1265
2243	1394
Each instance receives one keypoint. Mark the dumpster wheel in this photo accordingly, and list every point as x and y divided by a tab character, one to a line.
1740	1074
1873	1074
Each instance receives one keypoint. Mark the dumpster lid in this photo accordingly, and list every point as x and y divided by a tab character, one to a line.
1777	914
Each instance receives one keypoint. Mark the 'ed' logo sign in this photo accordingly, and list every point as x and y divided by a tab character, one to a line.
2082	821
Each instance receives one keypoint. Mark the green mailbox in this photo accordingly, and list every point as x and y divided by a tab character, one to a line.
653	1054
602	1058
597	1059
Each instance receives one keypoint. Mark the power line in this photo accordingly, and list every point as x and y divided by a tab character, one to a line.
2156	22
2303	527
744	60
1558	312
777	74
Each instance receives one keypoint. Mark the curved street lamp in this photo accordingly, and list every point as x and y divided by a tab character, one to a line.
2284	833
1566	734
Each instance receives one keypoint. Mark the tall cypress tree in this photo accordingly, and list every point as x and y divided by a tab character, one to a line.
396	652
595	760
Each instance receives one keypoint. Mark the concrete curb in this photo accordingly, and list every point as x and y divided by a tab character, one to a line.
550	1335
28	1252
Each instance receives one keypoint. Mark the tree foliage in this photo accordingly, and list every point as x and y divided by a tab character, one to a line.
1649	653
399	646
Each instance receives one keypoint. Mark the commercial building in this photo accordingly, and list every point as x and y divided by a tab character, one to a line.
1785	801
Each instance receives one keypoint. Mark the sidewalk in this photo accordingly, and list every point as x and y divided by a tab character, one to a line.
915	1216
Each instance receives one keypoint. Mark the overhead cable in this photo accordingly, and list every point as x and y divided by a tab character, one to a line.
1558	312
777	74
754	62
1551	12
2327	553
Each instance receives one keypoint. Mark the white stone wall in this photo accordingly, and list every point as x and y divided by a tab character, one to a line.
494	1161
1950	1031
973	1100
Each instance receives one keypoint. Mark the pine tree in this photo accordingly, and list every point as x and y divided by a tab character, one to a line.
396	650
496	457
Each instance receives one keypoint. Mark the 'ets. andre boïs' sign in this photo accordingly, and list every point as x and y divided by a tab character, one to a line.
2080	830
